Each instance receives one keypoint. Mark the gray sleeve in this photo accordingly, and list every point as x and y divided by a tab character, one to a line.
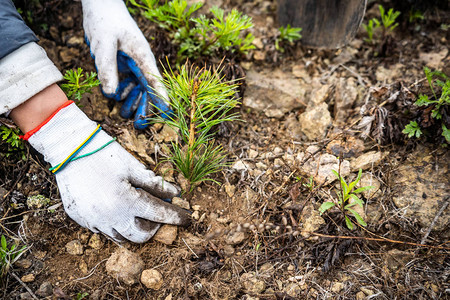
14	33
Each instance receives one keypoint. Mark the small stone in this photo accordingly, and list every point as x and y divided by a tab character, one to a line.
360	296
196	207
45	289
181	202
152	279
252	284
28	278
228	250
83	267
166	234
311	220
293	289
23	263
337	287
125	266
25	296
315	121
67	54
235	238
95	242
75	41
252	153
84	237
167	135
367	160
74	247
367	291
240	166
291	268
230	189
261	166
267	269
196	215
259	55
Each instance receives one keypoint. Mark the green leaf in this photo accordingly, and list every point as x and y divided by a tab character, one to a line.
349	223
412	129
352	184
446	133
357	200
358	217
326	206
363	189
3	243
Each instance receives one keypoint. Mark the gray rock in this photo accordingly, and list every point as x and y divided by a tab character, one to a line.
252	284
45	290
273	92
167	234
125	266
74	247
315	121
421	185
347	94
152	279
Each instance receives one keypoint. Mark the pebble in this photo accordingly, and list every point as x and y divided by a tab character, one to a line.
337	287
360	296
228	250
23	263
367	160
240	166
252	284
293	289
196	207
367	291
125	266
252	153
315	121
181	202
235	238
196	215
45	290
95	242
230	189
166	234
74	247
28	278
152	279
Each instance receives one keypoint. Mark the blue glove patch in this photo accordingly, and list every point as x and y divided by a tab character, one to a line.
137	100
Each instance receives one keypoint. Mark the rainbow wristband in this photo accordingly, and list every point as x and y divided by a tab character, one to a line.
60	166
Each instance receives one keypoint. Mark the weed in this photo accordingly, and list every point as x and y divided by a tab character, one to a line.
415	15
81	296
14	145
310	183
436	80
8	255
287	34
387	23
79	83
201	100
343	203
200	36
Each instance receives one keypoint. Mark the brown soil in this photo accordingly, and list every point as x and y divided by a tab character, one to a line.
201	264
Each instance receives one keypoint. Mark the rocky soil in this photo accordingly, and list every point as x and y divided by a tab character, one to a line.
259	234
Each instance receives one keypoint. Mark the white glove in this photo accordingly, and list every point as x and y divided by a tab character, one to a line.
109	28
108	191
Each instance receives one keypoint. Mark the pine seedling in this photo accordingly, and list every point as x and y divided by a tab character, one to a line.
79	83
344	194
287	34
200	100
370	28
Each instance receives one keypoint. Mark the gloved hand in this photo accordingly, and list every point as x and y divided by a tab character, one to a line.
108	191
118	45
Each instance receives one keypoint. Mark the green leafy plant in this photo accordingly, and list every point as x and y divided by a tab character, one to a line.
79	83
81	296
344	204
387	23
287	34
200	100
8	255
388	19
412	129
200	36
14	145
437	80
415	15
